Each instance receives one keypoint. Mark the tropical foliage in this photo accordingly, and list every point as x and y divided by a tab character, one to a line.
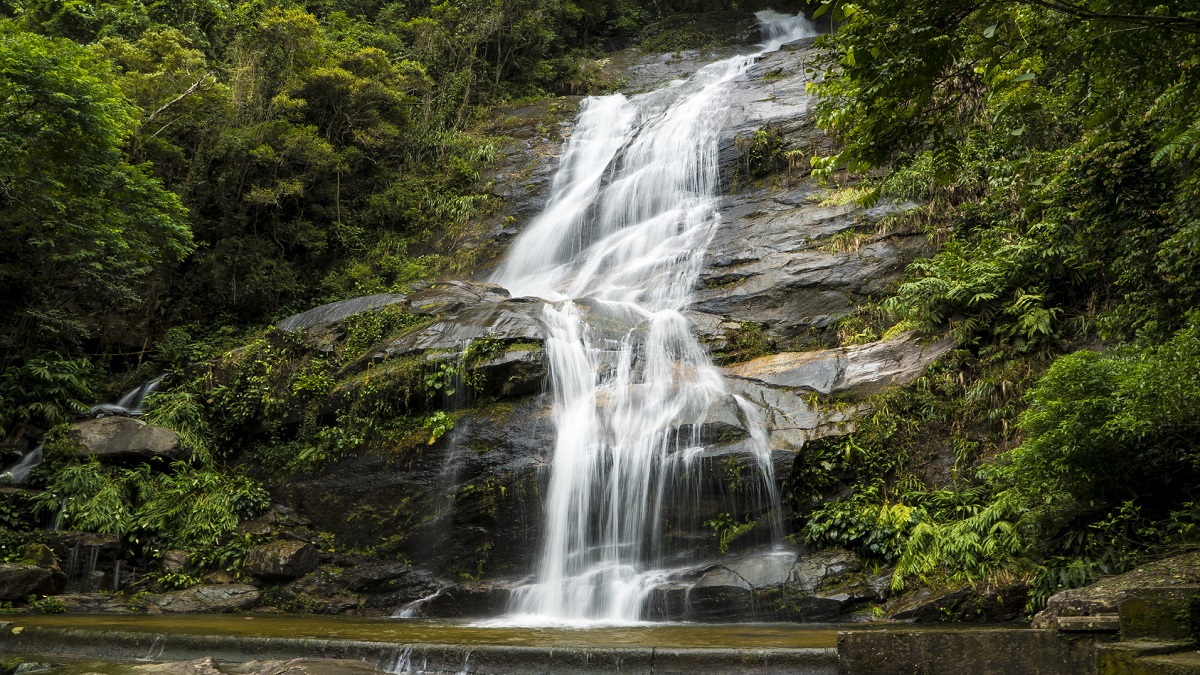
1053	148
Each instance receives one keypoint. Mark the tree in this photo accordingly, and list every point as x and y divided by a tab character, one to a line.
84	231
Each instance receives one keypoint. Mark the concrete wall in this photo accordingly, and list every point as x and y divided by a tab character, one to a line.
956	651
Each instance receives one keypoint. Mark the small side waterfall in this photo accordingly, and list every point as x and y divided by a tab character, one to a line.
17	473
132	402
618	250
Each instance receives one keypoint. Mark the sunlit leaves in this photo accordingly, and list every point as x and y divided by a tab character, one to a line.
83	228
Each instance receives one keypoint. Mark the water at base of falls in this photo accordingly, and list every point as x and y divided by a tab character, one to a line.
618	251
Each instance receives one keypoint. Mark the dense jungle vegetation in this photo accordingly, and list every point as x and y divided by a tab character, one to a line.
174	176
1055	149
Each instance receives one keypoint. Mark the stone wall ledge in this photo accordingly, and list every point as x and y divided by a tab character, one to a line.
145	646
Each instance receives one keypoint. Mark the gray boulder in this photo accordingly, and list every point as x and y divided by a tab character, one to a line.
205	599
95	603
281	560
306	667
773	585
957	602
124	439
508	321
204	666
336	311
452	296
1104	596
783	385
857	371
18	582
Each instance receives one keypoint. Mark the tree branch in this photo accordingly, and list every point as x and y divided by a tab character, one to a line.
1180	23
198	85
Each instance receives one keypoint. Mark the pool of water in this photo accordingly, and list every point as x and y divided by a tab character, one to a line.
410	631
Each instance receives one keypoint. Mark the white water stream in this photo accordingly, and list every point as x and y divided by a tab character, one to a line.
618	250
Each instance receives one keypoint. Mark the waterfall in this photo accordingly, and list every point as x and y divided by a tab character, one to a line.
617	250
17	473
133	402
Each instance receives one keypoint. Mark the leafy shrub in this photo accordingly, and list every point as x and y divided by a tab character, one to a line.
46	605
872	529
727	529
43	391
186	508
1103	426
762	154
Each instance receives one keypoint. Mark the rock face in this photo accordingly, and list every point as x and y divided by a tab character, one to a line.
776	585
18	582
770	262
306	667
390	586
468	503
1103	596
123	439
961	603
281	560
204	666
336	311
205	599
508	321
857	371
96	603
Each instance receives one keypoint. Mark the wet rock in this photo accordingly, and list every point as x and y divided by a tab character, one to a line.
175	561
278	519
95	603
218	577
857	371
1104	596
823	569
770	586
961	603
766	263
39	554
782	385
723	424
514	320
730	590
124	439
18	582
786	283
471	499
521	175
516	372
336	311
305	667
281	560
398	579
65	541
791	417
926	604
469	599
453	296
882	583
204	666
207	598
644	71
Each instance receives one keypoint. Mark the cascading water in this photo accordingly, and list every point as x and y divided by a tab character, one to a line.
618	251
133	402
